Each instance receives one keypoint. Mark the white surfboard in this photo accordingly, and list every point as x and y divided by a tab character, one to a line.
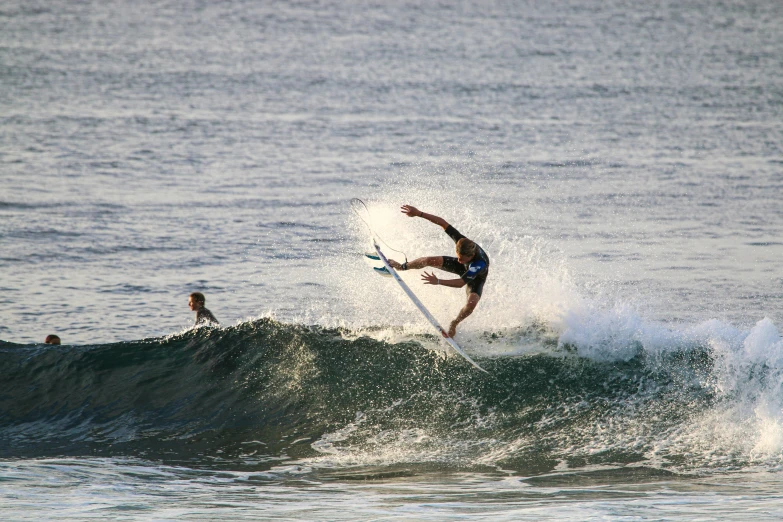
390	271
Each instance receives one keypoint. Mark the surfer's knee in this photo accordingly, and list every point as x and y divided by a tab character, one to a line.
434	261
473	300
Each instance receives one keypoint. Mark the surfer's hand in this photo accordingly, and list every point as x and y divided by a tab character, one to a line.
429	279
411	211
453	328
394	264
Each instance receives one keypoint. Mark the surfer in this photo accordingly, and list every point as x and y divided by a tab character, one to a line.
471	264
196	302
52	339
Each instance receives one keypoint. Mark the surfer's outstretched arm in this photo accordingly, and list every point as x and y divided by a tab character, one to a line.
415	212
432	279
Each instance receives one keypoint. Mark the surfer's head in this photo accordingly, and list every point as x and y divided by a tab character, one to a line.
196	301
52	339
466	249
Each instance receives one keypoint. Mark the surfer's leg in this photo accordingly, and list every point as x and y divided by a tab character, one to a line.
473	300
422	262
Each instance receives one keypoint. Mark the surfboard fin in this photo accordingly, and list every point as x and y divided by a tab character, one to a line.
372	256
382	271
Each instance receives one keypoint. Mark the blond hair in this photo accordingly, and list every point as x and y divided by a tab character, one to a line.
466	247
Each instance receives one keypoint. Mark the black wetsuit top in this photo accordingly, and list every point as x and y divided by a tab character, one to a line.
204	316
473	273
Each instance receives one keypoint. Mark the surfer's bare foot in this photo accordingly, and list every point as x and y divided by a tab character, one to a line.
453	328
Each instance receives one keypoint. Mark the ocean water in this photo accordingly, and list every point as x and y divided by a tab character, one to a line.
621	163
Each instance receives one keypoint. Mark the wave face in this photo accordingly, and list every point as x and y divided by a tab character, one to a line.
258	394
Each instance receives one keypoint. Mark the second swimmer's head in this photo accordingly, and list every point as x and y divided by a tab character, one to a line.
196	300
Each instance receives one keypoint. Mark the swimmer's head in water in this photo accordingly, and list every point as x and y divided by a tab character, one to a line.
466	249
52	339
196	301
